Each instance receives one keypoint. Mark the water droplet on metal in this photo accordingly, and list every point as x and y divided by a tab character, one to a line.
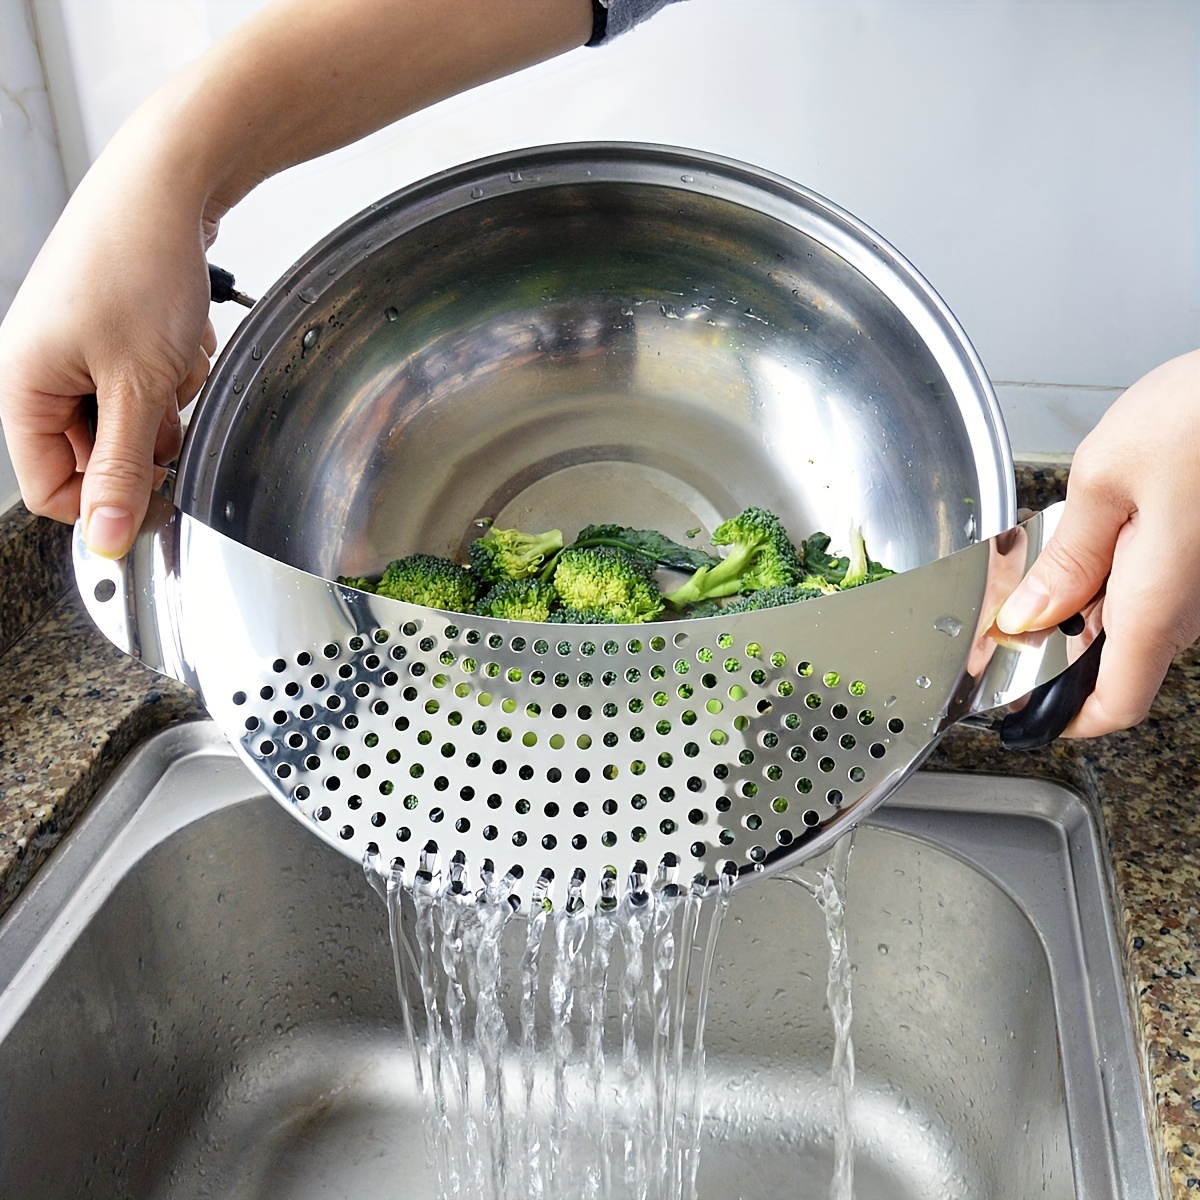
256	352
309	340
237	387
688	178
515	177
229	510
970	528
476	193
922	681
951	626
309	295
392	314
483	522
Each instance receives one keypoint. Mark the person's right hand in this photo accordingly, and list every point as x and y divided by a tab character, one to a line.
116	304
117	301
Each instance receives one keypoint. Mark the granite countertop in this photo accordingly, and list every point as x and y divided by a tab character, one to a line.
72	707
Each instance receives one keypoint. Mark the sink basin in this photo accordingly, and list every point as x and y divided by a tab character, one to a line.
196	999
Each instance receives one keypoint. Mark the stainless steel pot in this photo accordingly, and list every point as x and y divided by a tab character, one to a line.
596	332
616	334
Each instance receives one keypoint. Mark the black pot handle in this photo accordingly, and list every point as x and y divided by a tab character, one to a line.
1053	705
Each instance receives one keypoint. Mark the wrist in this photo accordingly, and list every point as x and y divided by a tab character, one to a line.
178	144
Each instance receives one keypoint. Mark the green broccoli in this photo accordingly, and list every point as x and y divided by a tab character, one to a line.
834	574
771	597
761	556
610	582
511	554
819	585
356	581
578	616
859	568
433	582
518	600
649	544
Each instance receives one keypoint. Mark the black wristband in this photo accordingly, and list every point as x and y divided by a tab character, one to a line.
599	23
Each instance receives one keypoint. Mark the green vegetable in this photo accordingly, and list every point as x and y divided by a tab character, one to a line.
518	600
577	616
433	582
860	569
606	576
609	581
356	581
761	556
832	573
648	543
511	554
772	597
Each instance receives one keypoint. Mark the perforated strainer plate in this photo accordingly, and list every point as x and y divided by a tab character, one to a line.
710	745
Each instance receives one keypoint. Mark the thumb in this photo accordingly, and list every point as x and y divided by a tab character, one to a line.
1070	571
120	471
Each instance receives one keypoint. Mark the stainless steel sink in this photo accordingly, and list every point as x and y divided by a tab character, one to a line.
196	999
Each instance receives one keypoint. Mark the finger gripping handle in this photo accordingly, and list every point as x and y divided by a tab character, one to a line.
1053	705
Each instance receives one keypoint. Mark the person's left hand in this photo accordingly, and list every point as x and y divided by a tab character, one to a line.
1132	519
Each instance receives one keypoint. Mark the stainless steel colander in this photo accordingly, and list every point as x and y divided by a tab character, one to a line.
575	334
696	747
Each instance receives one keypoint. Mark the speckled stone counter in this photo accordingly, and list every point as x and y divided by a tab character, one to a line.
71	707
71	704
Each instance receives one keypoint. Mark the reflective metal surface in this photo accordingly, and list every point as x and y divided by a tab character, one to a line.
196	998
592	333
711	745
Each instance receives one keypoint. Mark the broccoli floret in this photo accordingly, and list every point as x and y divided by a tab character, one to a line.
707	608
859	567
511	554
770	598
820	585
356	581
832	573
761	556
613	583
518	600
433	582
577	616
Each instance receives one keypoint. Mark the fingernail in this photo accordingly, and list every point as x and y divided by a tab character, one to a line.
1022	609
109	530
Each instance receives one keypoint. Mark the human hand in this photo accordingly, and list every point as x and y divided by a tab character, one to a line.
1131	519
117	301
116	304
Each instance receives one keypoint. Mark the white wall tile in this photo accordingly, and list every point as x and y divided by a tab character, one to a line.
1038	160
32	191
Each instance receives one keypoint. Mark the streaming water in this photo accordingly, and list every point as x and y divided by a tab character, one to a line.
831	896
829	890
559	1055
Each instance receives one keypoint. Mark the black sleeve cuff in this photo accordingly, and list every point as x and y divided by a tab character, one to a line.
599	23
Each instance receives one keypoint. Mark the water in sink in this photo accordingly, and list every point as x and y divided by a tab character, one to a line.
170	1027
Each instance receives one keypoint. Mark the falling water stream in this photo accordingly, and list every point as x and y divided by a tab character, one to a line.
562	1055
829	890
